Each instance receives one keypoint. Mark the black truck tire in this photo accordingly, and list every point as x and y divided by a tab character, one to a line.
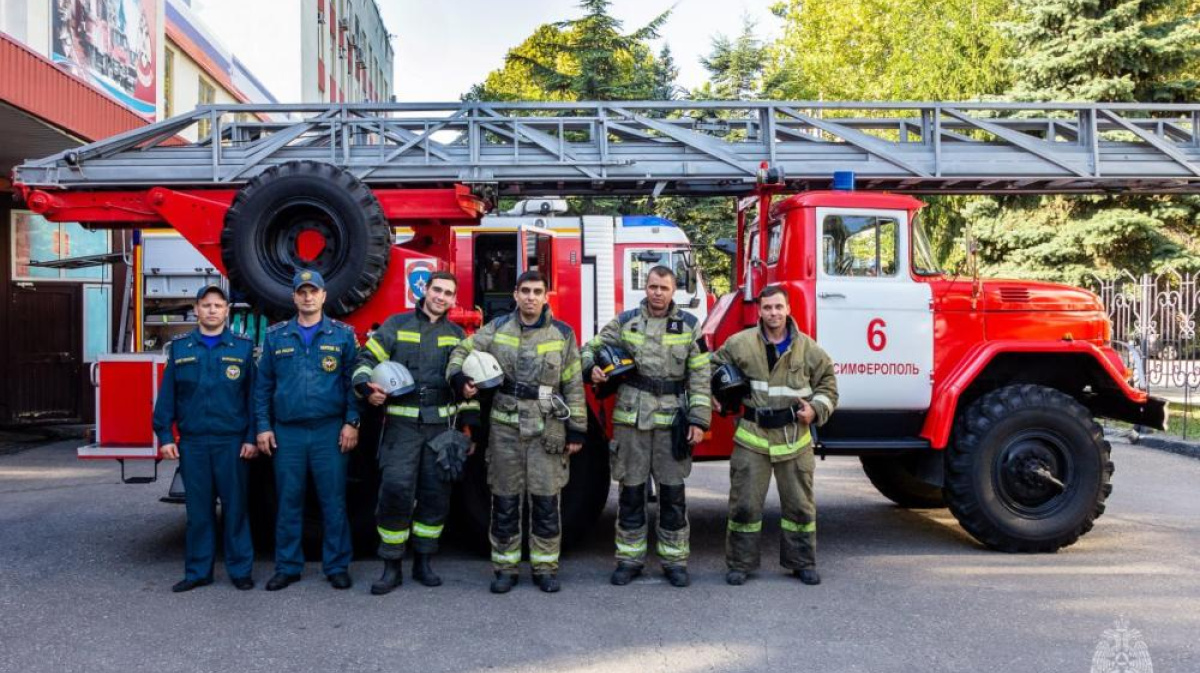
895	478
1009	448
261	240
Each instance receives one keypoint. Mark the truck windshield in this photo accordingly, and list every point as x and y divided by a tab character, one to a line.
924	263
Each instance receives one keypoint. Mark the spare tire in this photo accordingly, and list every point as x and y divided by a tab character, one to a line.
305	214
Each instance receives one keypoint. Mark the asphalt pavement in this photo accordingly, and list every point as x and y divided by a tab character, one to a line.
86	566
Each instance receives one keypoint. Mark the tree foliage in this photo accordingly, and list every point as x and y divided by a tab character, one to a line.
587	58
1096	50
889	50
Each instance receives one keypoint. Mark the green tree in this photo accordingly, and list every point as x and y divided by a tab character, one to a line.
889	50
586	59
1096	50
735	66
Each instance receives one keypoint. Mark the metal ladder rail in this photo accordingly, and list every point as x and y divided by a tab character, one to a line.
690	148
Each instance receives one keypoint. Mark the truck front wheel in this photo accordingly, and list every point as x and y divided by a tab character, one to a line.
1028	470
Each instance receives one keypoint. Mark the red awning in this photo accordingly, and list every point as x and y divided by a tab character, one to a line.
44	110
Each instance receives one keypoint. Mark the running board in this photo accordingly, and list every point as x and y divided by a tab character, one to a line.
871	445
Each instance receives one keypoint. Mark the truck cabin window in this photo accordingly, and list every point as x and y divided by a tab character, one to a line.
859	246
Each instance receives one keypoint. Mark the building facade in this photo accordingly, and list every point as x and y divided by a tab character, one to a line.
346	52
71	72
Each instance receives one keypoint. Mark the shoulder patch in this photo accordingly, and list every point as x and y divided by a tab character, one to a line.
688	318
564	329
626	316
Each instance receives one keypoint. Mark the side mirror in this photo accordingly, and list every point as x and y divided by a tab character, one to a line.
694	303
647	257
727	246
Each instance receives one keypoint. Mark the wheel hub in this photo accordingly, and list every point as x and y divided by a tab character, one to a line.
1032	473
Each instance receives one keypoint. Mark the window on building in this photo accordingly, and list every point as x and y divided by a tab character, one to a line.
168	83
35	239
207	96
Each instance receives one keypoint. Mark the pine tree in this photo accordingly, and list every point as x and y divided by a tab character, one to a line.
1096	50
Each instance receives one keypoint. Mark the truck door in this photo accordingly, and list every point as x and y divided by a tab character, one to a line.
536	249
872	318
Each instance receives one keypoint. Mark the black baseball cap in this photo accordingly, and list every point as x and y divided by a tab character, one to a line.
212	288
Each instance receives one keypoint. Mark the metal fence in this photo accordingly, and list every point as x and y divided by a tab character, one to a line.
1154	320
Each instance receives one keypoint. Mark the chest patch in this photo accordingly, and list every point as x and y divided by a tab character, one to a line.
329	363
232	372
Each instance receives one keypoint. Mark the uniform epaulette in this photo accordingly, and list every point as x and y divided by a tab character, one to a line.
339	323
277	326
626	316
177	337
564	329
243	337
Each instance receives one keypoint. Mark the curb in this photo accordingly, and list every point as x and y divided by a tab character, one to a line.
1170	445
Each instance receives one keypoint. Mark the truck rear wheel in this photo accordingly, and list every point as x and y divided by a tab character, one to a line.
895	477
1028	470
312	215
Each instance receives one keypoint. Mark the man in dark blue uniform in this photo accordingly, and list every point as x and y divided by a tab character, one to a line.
207	393
307	417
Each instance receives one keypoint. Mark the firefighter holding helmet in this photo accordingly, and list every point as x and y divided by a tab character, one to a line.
789	386
538	420
414	494
663	408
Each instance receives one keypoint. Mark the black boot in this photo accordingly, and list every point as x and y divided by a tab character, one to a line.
504	582
392	577
677	576
809	576
547	582
625	573
423	572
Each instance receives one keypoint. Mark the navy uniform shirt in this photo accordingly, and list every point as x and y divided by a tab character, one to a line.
305	384
207	391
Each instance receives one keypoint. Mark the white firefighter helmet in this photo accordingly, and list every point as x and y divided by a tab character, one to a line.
484	369
393	377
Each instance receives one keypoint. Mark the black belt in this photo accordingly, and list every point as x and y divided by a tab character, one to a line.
427	397
769	419
522	391
656	386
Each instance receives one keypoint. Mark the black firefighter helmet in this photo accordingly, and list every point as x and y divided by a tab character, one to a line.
729	387
617	363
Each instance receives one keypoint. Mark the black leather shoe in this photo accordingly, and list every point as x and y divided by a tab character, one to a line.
187	585
392	577
281	581
677	576
625	573
504	582
341	580
547	582
809	576
735	578
423	572
242	583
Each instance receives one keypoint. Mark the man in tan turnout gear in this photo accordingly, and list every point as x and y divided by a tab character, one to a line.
672	376
792	386
538	420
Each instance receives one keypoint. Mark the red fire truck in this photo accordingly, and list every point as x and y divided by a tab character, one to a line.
976	394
